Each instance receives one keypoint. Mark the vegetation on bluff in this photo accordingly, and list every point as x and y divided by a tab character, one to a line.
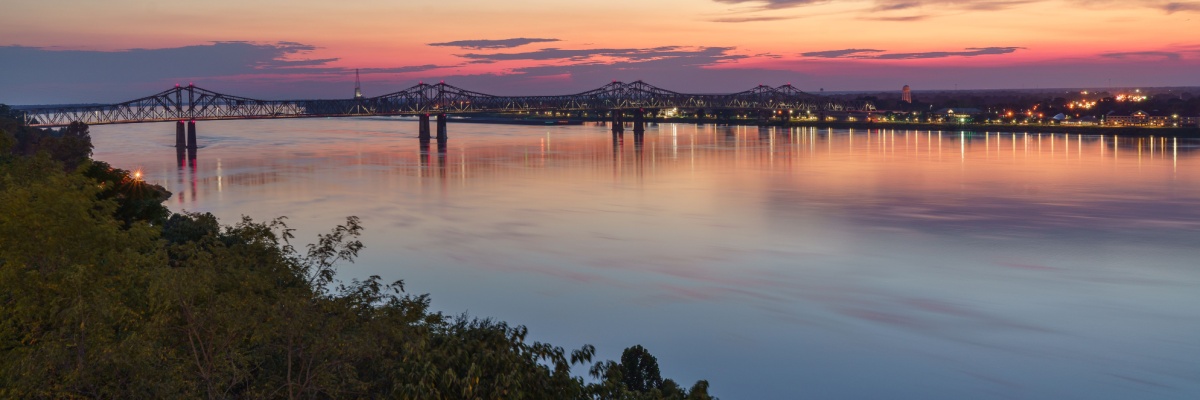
105	294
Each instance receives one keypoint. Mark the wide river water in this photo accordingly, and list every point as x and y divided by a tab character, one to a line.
775	263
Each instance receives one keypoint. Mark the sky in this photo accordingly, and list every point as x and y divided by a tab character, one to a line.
67	51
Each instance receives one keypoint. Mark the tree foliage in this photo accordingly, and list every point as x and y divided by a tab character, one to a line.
103	295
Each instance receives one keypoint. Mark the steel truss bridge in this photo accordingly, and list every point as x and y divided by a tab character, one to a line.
192	103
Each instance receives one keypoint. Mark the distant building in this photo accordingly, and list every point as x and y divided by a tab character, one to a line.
950	112
958	114
906	96
1145	119
853	116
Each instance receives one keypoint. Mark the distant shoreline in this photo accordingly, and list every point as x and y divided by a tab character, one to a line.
1134	131
1138	131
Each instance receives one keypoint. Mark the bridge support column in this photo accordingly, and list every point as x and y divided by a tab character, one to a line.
423	127
441	127
618	125
191	135
180	135
639	123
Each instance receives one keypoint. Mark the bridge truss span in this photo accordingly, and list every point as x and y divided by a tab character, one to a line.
194	103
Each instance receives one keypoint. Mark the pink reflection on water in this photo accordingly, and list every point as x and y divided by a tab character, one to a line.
1038	254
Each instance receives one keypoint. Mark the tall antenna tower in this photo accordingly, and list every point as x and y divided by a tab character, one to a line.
357	85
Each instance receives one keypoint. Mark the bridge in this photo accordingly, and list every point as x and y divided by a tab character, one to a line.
612	101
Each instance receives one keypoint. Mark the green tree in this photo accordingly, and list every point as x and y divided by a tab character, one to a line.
640	369
637	377
136	200
102	296
73	303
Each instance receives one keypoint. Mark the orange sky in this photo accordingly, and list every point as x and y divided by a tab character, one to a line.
1086	43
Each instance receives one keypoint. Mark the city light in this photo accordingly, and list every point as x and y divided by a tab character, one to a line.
1084	104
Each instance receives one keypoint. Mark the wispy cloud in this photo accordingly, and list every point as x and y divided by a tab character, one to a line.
875	54
700	69
44	74
752	19
576	55
487	44
1161	55
775	4
1172	8
876	7
903	18
843	53
404	69
969	52
885	5
903	5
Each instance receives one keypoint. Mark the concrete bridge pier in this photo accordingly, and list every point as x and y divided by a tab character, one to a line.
191	135
639	123
180	136
423	127
441	127
618	124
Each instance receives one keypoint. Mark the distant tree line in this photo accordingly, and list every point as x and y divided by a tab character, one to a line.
106	294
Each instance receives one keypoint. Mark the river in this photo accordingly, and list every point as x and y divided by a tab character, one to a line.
775	263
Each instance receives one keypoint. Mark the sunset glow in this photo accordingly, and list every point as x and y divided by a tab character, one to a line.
309	48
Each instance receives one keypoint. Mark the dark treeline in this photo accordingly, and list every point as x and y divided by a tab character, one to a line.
106	294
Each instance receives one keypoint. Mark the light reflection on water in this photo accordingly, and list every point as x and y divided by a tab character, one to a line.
777	263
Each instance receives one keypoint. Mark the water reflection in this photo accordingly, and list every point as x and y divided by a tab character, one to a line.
773	143
775	262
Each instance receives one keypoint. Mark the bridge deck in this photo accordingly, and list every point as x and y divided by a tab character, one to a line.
194	103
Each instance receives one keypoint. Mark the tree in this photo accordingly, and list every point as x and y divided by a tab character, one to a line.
72	303
71	145
640	369
101	296
136	200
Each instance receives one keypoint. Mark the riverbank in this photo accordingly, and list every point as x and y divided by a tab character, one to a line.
1136	131
1132	131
